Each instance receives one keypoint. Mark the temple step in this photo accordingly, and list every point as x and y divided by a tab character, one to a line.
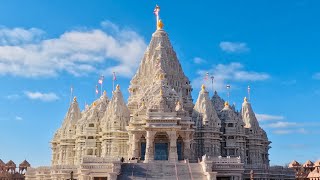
161	170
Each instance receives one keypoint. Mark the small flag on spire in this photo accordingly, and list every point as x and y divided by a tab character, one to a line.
114	76
207	76
100	81
156	10
249	92
97	91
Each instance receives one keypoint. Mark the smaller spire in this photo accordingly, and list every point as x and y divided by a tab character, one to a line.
245	100
104	92
118	87
75	99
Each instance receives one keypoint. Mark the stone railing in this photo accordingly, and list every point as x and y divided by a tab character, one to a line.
89	159
222	160
64	167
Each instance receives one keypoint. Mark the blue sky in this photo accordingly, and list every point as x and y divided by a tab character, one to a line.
47	46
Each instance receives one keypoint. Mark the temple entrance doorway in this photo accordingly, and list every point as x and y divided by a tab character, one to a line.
180	148
223	178
142	147
100	178
161	146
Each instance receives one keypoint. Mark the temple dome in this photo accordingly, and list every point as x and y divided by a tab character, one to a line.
160	69
217	102
117	114
308	164
248	116
204	112
24	163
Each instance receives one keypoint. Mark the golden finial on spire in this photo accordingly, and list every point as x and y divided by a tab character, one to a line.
104	92
245	99
160	24
226	104
75	99
203	88
118	87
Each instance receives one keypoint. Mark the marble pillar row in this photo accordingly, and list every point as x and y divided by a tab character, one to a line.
149	156
173	154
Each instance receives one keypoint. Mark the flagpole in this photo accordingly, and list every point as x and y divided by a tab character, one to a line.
228	89
249	93
112	84
71	93
96	91
101	88
212	78
113	79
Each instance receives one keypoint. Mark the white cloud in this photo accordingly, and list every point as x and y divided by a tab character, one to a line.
268	117
24	53
234	47
223	73
41	96
198	60
18	118
281	124
17	36
316	76
290	131
12	96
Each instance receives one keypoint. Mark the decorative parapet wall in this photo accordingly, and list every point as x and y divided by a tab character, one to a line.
100	167
226	166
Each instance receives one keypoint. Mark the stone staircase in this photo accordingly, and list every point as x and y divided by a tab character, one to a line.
160	170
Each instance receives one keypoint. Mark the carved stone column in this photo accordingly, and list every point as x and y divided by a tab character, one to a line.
149	156
173	154
135	145
187	150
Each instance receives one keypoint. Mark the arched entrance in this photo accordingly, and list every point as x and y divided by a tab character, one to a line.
180	148
161	146
142	147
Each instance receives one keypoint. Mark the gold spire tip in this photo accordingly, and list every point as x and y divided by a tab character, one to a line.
160	24
226	104
203	87
245	99
104	92
75	99
118	87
